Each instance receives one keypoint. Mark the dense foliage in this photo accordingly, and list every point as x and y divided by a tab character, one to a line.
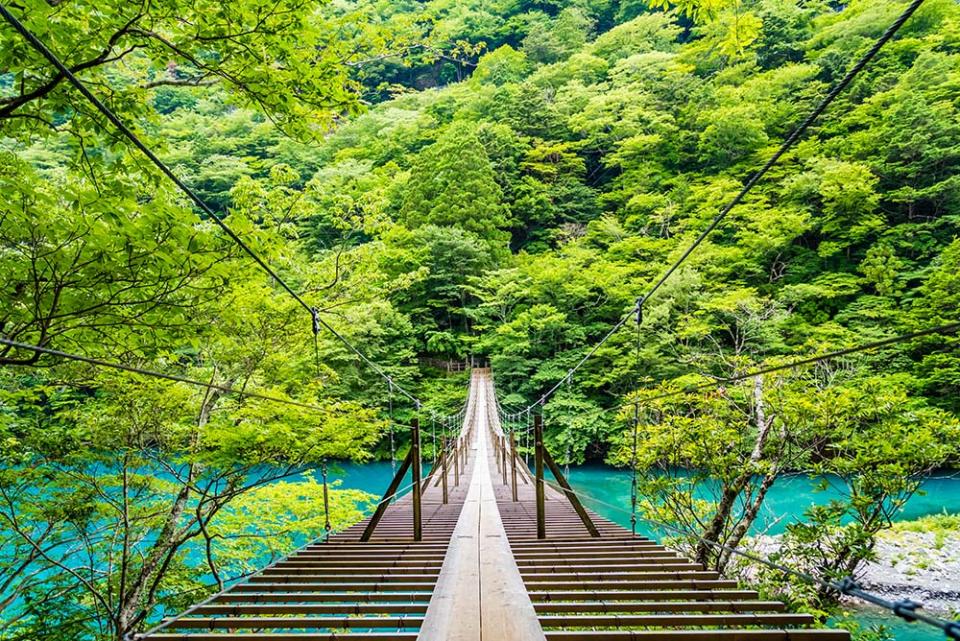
453	178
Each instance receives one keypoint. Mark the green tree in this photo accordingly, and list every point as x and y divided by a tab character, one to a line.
452	185
100	261
502	66
553	39
880	444
447	258
139	48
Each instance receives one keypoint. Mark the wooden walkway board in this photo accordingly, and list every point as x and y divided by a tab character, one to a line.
480	593
481	574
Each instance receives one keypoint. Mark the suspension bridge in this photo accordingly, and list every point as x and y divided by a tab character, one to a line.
485	548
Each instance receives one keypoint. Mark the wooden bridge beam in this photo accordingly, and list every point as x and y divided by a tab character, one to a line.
417	508
444	470
513	463
538	459
570	494
387	496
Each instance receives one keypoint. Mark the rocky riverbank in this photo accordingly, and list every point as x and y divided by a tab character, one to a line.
922	566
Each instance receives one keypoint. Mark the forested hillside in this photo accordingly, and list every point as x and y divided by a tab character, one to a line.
452	179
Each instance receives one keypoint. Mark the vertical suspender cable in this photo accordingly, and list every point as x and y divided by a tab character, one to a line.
326	503
636	427
393	448
633	472
315	313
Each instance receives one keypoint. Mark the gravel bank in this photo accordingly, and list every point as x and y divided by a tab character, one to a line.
920	566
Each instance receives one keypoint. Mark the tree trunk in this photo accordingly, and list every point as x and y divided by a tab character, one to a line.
712	535
132	603
749	516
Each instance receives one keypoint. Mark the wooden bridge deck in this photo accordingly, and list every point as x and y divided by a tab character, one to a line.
480	572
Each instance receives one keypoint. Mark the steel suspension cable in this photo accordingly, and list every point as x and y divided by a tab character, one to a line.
177	378
788	143
751	182
54	60
155	374
948	328
613	330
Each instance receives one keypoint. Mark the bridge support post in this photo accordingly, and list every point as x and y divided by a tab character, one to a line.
456	463
571	495
513	463
444	471
503	451
387	497
433	471
417	472
538	458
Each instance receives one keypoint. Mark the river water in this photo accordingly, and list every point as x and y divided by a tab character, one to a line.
606	490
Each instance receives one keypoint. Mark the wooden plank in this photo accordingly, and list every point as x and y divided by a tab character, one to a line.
673	620
650	595
507	612
659	606
305	623
322	597
284	636
334	587
454	610
311	608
